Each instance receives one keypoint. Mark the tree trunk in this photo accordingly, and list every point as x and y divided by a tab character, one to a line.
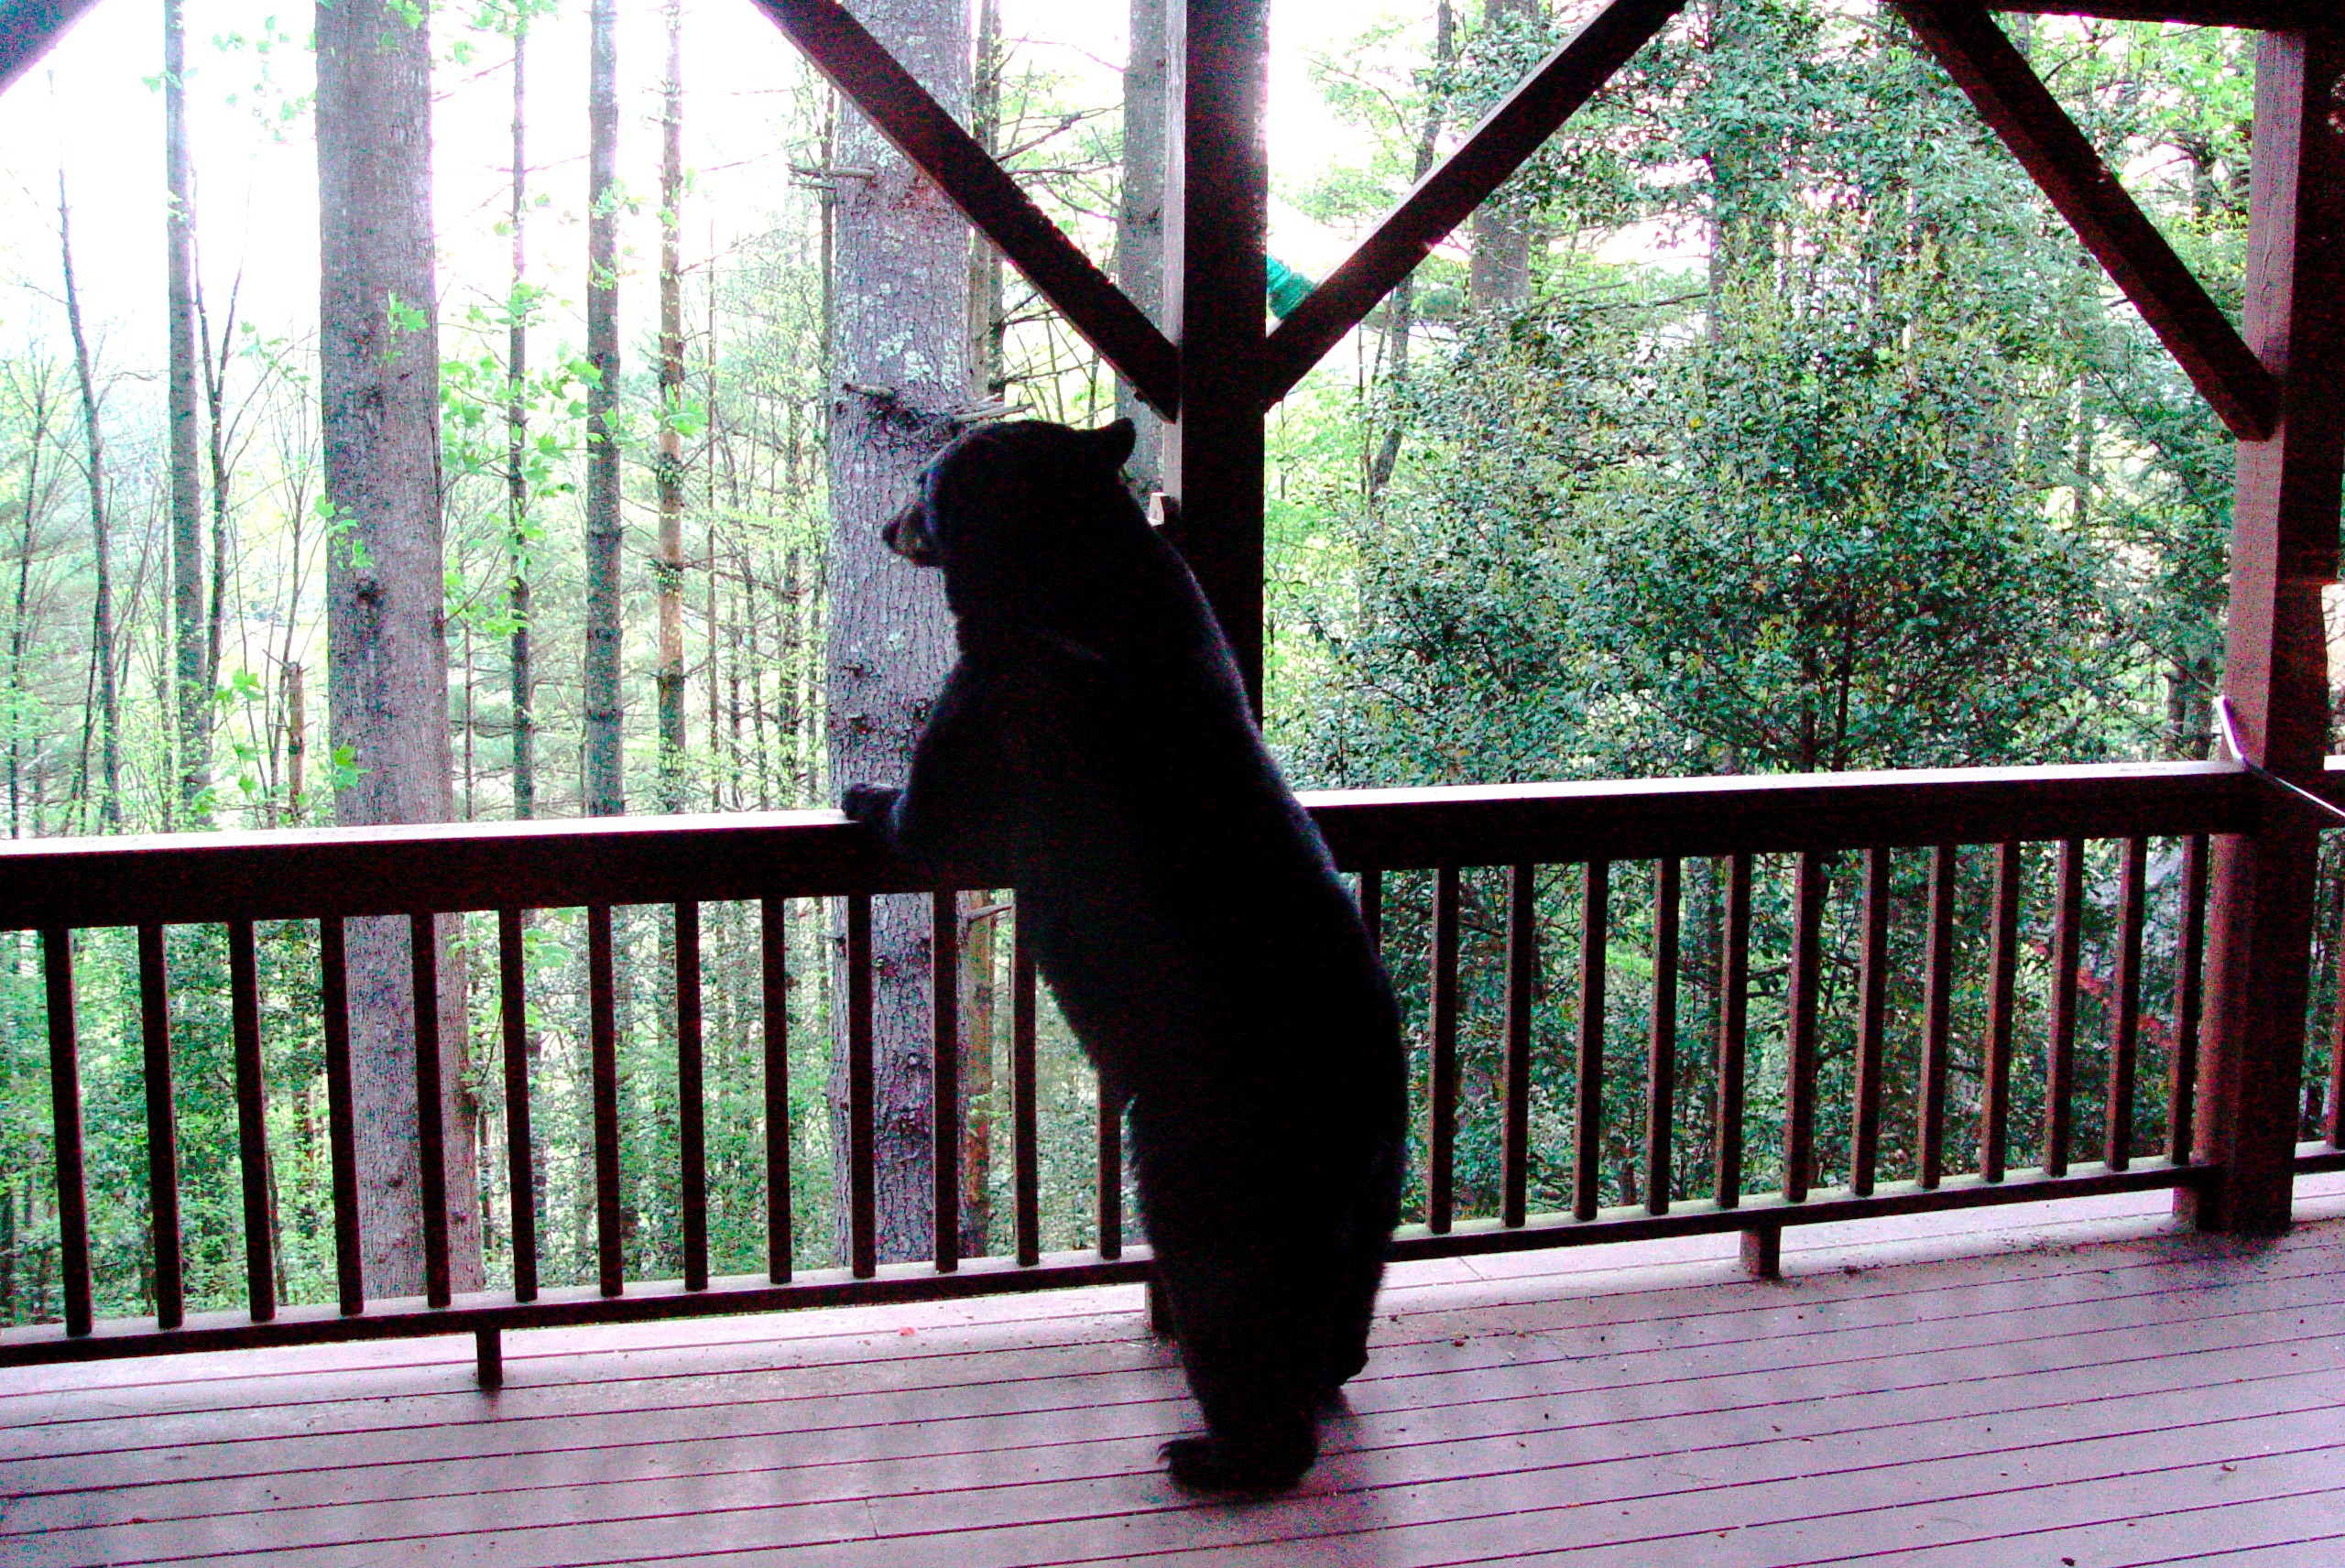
1401	313
516	440
386	672
215	397
101	661
606	750
192	740
1499	275
988	322
900	342
29	516
671	466
1140	219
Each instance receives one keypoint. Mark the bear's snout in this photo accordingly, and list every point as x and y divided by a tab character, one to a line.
907	534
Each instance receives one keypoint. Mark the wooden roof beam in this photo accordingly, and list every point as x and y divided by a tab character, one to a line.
870	78
2264	14
29	27
1989	68
1449	193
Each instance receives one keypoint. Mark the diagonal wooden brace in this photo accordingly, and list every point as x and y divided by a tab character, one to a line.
1989	68
903	111
1449	193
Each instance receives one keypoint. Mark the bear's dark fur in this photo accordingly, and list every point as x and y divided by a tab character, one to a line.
1094	745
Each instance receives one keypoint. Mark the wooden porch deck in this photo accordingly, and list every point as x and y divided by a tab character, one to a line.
2081	1384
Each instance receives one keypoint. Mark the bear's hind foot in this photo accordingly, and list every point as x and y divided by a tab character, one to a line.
1204	1464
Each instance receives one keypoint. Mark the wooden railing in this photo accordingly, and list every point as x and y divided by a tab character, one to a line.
1400	842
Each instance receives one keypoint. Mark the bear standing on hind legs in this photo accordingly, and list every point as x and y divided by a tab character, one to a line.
1093	747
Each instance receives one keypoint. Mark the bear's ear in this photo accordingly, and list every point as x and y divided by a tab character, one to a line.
1115	443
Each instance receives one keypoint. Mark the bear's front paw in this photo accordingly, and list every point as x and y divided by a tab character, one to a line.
868	803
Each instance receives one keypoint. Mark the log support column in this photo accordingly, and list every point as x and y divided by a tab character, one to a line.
2283	553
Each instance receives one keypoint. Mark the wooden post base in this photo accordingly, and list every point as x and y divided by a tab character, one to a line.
1160	1312
1763	1252
488	1357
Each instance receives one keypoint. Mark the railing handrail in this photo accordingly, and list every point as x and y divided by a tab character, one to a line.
291	874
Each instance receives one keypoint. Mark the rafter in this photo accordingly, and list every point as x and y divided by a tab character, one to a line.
870	78
1989	68
28	28
1448	194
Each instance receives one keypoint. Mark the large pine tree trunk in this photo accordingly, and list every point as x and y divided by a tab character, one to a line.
900	368
605	753
670	465
1140	217
522	682
387	676
192	740
1499	274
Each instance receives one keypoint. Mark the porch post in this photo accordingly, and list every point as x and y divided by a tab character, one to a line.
1217	205
2284	551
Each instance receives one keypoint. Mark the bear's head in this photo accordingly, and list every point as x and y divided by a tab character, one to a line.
1028	521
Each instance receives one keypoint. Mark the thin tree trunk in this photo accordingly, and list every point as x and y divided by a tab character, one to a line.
988	322
979	918
387	674
102	661
901	279
605	760
35	505
517	436
297	742
1401	313
1140	218
215	397
191	741
671	466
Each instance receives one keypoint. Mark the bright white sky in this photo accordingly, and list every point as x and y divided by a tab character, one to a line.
90	106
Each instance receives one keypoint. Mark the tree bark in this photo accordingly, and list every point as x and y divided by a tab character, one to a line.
387	674
29	516
605	750
988	322
900	343
192	739
1140	219
523	687
670	465
1499	274
102	659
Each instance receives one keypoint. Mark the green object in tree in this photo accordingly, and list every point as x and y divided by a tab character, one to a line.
1288	288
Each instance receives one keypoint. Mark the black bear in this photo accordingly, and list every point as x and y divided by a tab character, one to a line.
1093	747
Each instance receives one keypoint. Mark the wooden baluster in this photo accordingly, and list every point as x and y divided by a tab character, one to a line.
342	1114
252	1121
2126	1029
65	1114
1371	909
162	1129
1872	1025
1734	1017
1995	1099
1812	883
1938	1017
1111	1173
520	1162
773	917
1025	1162
1522	997
691	1099
1441	1097
1661	1049
2189	1000
945	1046
603	1056
431	1139
2060	1061
863	1225
1588	1133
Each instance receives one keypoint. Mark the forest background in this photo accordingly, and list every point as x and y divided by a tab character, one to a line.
1768	421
